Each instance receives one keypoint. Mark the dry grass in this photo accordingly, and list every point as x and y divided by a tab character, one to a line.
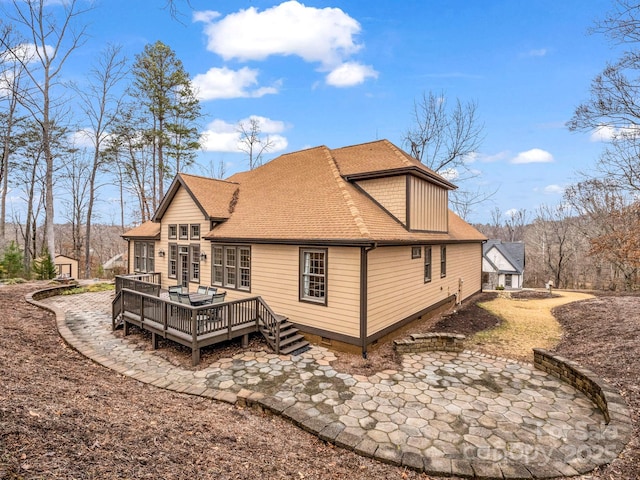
526	324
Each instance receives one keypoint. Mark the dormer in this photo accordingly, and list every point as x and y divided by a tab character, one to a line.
419	203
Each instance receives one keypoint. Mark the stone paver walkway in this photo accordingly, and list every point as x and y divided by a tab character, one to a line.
443	413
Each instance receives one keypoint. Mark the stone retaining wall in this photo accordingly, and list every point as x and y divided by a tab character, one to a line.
601	394
430	342
50	291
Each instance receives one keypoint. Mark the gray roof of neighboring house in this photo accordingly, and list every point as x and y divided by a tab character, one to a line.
116	260
512	251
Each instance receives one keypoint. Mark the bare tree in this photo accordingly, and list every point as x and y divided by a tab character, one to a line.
609	221
443	138
252	143
554	228
101	105
52	39
77	182
11	74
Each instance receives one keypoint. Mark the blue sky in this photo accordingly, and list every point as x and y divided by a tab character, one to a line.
338	73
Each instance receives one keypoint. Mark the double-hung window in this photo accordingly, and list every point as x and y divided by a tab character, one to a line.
195	263
143	257
427	264
313	275
231	266
173	261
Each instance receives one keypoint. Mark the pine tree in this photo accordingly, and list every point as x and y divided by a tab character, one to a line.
164	89
45	268
11	261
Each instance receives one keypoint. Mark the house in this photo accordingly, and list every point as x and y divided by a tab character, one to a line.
116	264
66	267
350	243
502	264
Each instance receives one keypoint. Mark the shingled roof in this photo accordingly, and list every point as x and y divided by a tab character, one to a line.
213	197
147	229
306	196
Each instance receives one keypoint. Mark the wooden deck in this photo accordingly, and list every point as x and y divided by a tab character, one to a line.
194	326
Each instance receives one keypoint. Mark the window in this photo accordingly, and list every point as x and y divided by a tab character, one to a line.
173	232
173	261
415	252
244	267
231	266
184	232
427	264
195	231
443	261
194	266
313	275
508	280
216	275
143	257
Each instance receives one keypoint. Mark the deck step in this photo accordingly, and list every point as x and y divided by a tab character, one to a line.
289	340
296	348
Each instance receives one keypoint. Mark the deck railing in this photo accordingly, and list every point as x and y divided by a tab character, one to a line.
141	282
194	326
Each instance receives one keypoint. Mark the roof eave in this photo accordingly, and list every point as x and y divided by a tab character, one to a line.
415	171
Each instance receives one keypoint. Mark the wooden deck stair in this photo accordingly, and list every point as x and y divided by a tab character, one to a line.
290	341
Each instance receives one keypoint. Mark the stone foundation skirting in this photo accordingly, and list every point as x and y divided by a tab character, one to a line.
597	390
430	342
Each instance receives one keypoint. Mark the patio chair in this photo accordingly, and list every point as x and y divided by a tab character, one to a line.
174	288
202	289
212	290
218	297
184	298
174	296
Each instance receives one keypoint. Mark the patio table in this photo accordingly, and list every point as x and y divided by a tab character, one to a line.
200	298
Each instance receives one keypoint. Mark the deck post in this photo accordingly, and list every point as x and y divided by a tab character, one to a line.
154	340
195	349
245	340
230	320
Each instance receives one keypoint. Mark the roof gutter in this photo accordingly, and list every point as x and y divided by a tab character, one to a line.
364	276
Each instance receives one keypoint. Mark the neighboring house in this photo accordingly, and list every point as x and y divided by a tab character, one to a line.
116	264
66	266
350	243
502	265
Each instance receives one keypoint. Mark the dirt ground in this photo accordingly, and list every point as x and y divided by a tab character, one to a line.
62	416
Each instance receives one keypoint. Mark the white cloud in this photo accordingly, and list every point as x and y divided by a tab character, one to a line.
25	53
205	16
603	133
226	83
221	136
553	189
324	35
535	155
485	158
349	74
511	212
539	52
450	174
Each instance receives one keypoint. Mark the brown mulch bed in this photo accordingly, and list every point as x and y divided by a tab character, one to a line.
603	334
62	416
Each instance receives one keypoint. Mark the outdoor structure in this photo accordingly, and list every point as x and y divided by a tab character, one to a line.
349	244
502	265
66	267
116	264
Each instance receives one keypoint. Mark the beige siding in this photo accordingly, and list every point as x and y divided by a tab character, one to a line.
183	211
428	207
396	281
390	192
275	277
